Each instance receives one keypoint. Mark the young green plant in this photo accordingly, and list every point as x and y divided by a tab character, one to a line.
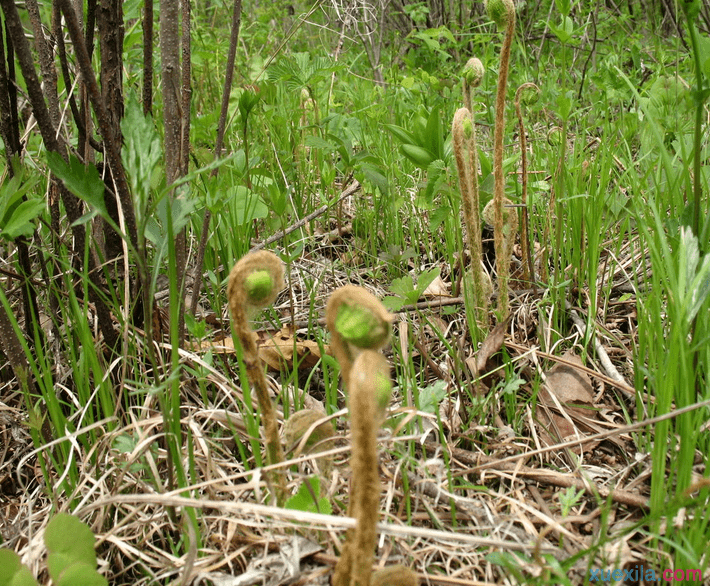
254	282
359	327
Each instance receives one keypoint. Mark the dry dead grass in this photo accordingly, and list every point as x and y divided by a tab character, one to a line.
500	492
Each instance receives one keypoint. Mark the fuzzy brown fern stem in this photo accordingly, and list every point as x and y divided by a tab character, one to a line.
502	12
254	282
527	92
369	388
464	140
359	325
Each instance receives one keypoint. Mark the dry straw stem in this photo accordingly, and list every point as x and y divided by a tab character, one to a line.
464	139
503	14
357	321
254	282
522	94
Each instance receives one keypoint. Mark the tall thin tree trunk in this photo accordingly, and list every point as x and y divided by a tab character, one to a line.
173	119
111	32
148	57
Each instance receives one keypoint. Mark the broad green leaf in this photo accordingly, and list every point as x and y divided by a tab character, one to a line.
13	572
434	134
420	156
393	303
69	541
426	279
319	143
80	574
12	191
21	220
374	176
247	206
430	397
563	6
402	135
565	31
404	287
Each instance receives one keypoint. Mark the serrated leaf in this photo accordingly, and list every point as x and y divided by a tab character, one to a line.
141	151
393	303
318	143
308	498
403	286
430	397
374	176
82	180
425	279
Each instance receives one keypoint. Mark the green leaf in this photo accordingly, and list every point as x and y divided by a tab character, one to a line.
393	303
420	156
434	134
404	287
563	6
20	221
13	572
82	180
438	217
565	31
247	102
141	151
308	498
247	205
402	135
79	574
318	143
694	280
69	541
374	176
430	397
426	279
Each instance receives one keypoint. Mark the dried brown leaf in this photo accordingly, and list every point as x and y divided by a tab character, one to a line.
490	346
437	288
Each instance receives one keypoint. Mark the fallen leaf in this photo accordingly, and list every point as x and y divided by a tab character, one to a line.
223	345
437	288
572	387
278	351
566	396
275	349
490	346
